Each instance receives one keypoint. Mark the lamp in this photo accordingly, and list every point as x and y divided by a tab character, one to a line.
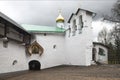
5	39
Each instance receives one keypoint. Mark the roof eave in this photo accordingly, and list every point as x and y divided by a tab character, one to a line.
98	43
46	32
70	17
12	22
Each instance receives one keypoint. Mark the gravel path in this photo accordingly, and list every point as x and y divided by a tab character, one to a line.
104	72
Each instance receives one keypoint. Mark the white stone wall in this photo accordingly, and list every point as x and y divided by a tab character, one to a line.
79	48
14	51
79	45
51	57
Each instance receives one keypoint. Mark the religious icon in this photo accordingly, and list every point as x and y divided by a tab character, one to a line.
35	48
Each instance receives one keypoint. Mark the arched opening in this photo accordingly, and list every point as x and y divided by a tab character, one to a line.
94	57
34	65
94	54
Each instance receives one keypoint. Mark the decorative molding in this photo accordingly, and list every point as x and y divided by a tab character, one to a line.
35	48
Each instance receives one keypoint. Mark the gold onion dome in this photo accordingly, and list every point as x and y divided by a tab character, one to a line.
60	18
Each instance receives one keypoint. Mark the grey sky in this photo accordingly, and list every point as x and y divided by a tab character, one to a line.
44	12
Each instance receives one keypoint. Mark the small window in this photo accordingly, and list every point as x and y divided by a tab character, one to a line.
54	46
101	52
45	34
14	62
69	32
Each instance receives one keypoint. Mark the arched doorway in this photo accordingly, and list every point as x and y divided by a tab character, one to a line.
94	54
34	65
93	57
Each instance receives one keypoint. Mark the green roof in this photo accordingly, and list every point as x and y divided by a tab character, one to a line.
37	28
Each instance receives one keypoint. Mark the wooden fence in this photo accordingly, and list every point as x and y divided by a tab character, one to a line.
113	59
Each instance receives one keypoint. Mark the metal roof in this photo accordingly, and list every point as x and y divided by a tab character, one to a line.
39	29
77	13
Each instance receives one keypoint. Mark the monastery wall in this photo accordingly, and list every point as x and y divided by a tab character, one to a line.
12	58
79	40
74	47
54	50
79	48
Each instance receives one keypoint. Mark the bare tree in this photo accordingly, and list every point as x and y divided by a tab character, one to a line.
115	33
104	36
115	17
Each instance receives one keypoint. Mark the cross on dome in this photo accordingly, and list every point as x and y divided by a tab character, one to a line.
60	18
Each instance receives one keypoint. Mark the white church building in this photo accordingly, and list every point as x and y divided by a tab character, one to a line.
38	47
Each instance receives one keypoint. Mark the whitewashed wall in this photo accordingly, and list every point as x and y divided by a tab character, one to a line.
79	46
51	57
14	51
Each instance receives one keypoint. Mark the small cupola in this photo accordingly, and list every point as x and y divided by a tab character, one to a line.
60	18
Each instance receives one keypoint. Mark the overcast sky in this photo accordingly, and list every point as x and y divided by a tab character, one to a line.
44	12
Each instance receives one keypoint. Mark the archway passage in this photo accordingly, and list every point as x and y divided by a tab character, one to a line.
34	65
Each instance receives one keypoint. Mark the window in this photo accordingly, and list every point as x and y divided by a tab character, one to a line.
14	62
54	46
69	32
101	52
45	34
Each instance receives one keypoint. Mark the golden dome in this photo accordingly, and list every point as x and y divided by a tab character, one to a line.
60	18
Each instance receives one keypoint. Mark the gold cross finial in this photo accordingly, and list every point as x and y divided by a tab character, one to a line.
59	11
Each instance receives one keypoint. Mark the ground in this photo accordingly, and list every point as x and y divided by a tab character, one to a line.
103	72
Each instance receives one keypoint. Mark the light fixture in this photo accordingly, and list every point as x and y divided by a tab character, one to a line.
5	39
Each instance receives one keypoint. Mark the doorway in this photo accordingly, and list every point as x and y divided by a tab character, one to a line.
34	65
94	54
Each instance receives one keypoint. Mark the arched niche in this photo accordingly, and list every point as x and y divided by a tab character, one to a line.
35	48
